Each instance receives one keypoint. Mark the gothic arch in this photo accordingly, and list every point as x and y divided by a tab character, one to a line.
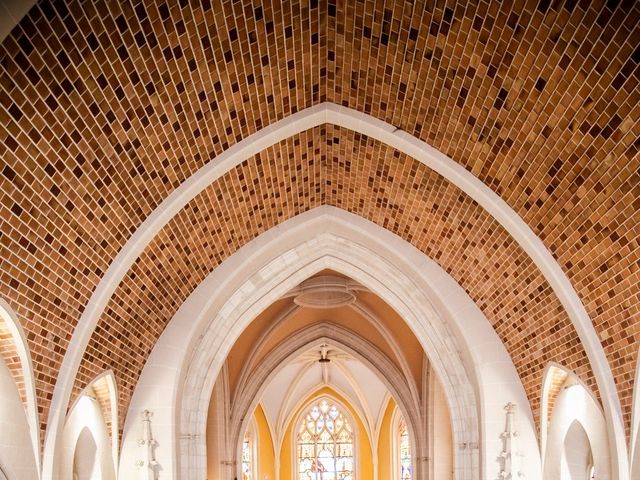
335	232
16	358
365	267
345	340
349	411
348	118
574	404
93	413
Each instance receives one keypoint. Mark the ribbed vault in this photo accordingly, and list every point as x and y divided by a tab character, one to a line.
106	108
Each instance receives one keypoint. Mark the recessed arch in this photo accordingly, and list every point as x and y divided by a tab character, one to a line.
22	371
95	411
249	433
350	413
336	336
574	406
397	418
85	456
364	266
259	346
347	118
292	403
555	377
324	226
577	457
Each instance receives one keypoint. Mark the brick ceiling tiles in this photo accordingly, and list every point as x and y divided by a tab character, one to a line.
306	171
106	109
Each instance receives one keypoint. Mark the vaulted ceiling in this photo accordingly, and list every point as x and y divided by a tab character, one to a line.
341	304
107	107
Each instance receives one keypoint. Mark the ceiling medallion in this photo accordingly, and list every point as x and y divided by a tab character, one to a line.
325	292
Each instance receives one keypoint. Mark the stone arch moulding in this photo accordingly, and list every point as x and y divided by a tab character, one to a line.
276	278
31	408
402	141
545	410
359	348
357	307
634	451
292	396
475	369
85	423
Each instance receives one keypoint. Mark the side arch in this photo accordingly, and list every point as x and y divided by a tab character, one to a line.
14	350
95	410
573	404
85	456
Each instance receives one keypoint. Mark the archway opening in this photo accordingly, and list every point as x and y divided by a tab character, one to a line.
577	457
85	457
574	436
90	433
328	334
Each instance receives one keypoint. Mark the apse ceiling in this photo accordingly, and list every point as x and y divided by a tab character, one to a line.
107	107
294	383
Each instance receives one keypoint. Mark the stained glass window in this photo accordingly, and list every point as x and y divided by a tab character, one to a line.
247	457
405	452
325	444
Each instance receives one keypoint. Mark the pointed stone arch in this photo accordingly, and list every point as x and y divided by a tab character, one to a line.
341	116
338	241
95	409
16	356
347	341
568	402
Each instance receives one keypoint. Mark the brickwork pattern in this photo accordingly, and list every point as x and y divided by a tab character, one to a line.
11	358
558	380
330	165
106	107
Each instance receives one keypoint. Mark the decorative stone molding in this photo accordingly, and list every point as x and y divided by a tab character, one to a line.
273	280
271	265
149	466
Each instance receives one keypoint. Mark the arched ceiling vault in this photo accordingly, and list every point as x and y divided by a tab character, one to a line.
107	108
369	316
329	165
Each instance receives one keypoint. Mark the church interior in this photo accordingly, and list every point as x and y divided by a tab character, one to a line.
319	240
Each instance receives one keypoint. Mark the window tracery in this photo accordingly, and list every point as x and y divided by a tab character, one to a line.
325	444
401	467
404	451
